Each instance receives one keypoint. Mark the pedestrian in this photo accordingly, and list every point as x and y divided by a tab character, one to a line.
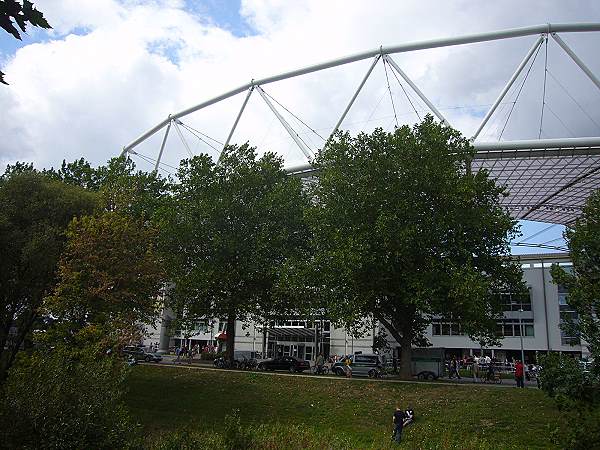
320	363
489	376
519	375
475	369
348	367
190	354
398	420
177	353
454	368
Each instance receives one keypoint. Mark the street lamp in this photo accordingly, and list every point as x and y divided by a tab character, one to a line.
521	334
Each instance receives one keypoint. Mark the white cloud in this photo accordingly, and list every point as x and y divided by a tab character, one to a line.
88	94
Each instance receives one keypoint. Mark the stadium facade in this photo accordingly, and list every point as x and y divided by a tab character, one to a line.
531	324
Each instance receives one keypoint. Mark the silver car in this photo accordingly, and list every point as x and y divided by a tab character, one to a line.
366	365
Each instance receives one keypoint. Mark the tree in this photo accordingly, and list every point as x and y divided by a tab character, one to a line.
583	282
34	213
404	231
21	13
231	228
109	276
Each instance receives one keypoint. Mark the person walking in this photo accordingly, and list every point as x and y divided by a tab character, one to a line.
177	353
519	375
489	376
454	368
348	367
398	420
320	363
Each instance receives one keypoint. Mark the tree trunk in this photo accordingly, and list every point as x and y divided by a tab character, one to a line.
264	340
406	357
230	337
405	341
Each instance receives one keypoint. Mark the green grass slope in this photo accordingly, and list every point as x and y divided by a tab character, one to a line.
338	413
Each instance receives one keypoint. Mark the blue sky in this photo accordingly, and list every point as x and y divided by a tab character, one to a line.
223	13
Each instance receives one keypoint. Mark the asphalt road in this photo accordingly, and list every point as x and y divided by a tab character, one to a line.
169	362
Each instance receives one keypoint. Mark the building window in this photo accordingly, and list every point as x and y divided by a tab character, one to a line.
516	302
201	326
446	328
515	327
567	315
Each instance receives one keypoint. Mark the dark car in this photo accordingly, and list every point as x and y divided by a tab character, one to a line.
140	354
288	363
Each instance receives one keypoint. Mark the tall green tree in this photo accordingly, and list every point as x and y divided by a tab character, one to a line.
229	232
583	281
34	214
109	277
404	232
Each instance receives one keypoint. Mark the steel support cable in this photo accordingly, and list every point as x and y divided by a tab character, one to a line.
152	161
185	144
548	247
538	233
553	240
560	120
544	91
405	93
194	133
190	128
375	108
161	163
520	90
572	98
294	116
390	90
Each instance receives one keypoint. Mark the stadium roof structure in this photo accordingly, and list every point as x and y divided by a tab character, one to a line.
549	180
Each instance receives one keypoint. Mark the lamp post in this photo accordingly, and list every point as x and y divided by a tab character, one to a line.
521	334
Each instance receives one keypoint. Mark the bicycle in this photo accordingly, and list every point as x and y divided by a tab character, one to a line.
323	370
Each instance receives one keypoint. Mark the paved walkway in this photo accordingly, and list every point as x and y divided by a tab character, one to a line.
169	362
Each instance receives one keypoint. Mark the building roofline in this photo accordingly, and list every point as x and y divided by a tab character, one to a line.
544	256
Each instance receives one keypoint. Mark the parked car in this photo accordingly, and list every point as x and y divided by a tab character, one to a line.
141	354
289	363
362	365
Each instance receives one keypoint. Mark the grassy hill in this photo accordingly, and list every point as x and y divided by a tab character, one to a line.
197	409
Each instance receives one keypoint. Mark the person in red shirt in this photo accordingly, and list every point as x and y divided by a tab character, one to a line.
519	374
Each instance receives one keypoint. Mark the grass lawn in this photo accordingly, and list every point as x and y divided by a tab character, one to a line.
166	399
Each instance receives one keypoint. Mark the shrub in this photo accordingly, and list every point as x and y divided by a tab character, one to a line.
577	395
61	400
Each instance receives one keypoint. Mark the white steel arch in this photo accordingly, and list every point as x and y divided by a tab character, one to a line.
565	165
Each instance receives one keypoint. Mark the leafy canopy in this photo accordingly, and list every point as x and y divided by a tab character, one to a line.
583	282
405	231
109	275
34	213
230	230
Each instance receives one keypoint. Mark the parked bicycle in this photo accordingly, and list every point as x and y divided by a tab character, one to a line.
320	370
222	363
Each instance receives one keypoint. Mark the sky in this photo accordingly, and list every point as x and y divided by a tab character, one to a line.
110	70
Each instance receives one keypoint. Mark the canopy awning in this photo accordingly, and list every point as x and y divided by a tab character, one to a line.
222	336
284	333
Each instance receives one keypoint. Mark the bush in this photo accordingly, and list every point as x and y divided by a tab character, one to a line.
236	437
577	395
61	400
